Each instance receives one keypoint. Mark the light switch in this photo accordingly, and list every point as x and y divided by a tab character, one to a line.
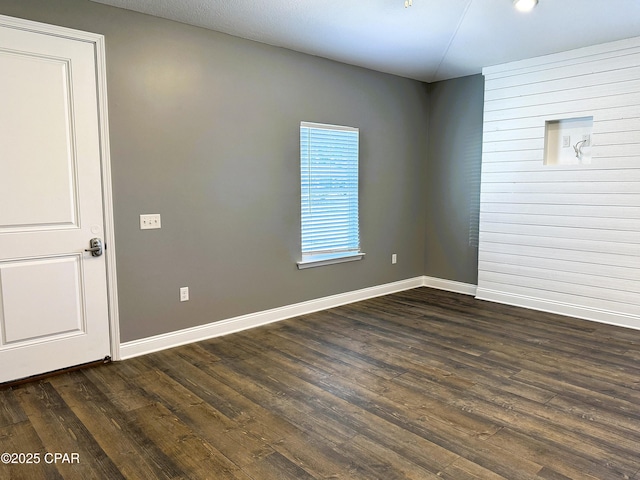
149	221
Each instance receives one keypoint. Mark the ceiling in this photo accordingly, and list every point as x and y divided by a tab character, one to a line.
429	41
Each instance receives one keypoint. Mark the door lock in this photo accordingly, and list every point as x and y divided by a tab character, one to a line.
95	245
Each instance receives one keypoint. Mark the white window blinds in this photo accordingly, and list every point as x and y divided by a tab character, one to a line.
329	184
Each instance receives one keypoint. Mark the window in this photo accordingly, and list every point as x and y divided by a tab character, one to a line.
329	181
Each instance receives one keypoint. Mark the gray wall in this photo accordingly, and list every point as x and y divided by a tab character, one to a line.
453	178
204	131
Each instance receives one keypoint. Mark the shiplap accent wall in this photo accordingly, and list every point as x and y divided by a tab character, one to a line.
563	238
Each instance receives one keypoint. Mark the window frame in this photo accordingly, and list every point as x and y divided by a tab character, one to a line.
311	258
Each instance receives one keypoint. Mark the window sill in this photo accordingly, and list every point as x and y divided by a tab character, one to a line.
329	259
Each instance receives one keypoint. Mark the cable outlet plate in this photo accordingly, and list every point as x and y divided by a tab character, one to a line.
150	221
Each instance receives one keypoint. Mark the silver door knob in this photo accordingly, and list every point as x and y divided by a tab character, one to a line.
95	245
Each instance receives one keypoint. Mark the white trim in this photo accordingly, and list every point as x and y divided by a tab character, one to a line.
224	327
46	28
321	260
103	124
450	285
560	308
107	197
326	126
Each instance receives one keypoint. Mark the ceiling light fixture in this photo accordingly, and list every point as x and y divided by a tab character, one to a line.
408	3
525	5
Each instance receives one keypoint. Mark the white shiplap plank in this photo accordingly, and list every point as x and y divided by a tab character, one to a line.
515	145
587	247
516	134
616	125
595	278
537	94
563	174
628	137
608	79
591	187
618	150
576	69
551	253
600	273
592	54
610	199
614	237
599	293
569	211
622	223
505	163
506	122
559	107
548	294
524	155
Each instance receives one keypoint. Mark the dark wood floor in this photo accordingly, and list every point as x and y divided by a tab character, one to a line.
420	384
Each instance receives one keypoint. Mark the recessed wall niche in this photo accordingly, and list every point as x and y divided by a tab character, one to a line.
568	141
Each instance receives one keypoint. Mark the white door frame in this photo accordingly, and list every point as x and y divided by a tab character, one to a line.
105	158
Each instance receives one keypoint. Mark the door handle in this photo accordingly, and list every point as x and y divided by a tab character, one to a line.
95	245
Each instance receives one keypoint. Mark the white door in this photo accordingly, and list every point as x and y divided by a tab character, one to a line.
53	294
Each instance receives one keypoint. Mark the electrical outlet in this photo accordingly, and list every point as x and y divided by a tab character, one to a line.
394	258
566	141
184	294
150	221
587	140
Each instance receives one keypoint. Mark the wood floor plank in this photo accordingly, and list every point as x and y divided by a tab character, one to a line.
22	438
278	409
118	381
10	411
601	416
618	440
548	452
136	455
463	469
275	465
575	370
419	384
191	453
564	434
191	405
62	432
390	464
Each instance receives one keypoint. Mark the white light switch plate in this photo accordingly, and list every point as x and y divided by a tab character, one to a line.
149	221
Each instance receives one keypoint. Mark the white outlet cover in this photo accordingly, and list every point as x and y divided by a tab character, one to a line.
184	294
149	221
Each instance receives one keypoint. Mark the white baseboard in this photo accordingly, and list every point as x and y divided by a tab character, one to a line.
243	322
450	285
585	313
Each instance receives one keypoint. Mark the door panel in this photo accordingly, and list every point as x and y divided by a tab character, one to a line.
54	305
42	174
53	294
